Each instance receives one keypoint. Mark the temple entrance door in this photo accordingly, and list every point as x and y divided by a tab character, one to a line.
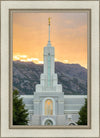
48	123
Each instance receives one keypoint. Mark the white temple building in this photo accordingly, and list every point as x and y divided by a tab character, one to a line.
49	105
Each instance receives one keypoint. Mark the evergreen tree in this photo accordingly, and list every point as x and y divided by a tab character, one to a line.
83	115
20	114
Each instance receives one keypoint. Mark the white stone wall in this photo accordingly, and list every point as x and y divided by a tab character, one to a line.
70	101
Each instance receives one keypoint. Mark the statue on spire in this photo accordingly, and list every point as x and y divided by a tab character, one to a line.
49	20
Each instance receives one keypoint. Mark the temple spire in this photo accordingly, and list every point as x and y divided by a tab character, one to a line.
49	29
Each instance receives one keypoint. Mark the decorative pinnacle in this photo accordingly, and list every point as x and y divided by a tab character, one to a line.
49	20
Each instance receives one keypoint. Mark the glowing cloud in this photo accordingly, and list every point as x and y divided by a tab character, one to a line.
41	62
32	59
65	61
23	60
16	58
23	56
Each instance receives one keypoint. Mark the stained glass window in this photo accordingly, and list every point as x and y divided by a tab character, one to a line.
48	107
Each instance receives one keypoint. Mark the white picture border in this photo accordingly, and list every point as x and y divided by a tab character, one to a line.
94	131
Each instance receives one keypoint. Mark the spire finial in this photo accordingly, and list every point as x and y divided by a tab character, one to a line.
49	20
49	32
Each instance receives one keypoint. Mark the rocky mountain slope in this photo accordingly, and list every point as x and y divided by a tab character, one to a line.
26	75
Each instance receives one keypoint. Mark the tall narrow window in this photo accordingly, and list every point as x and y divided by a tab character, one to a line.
49	70
48	107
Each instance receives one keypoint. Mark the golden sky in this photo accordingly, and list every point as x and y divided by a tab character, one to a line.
68	36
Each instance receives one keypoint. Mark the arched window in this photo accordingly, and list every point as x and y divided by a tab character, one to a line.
72	124
48	107
48	123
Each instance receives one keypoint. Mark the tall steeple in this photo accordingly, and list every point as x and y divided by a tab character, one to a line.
49	27
49	43
49	79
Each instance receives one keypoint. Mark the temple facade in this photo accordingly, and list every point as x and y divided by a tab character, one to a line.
49	105
49	98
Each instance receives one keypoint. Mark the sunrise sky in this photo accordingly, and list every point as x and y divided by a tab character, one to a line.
68	36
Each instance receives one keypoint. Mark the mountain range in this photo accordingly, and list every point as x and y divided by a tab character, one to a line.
26	75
